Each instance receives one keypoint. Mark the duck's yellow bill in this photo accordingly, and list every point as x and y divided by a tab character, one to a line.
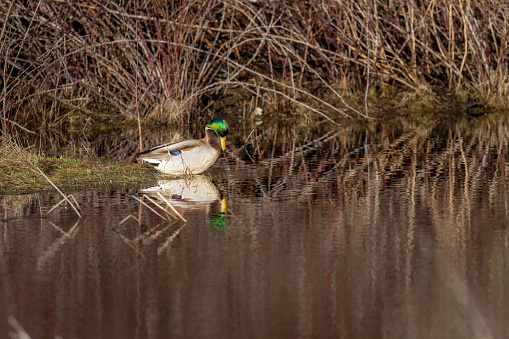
223	143
223	206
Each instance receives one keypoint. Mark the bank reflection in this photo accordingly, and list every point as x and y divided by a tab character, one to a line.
395	233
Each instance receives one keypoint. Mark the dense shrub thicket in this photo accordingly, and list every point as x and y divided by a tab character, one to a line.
125	58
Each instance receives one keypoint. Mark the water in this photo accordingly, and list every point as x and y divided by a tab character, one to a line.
393	232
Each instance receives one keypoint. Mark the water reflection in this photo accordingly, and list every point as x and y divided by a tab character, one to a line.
365	232
192	192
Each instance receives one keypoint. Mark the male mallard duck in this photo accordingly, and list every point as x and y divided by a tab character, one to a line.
190	156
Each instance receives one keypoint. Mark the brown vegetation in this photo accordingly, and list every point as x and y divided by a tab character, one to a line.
22	170
132	59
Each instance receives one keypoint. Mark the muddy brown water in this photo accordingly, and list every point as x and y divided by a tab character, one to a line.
358	233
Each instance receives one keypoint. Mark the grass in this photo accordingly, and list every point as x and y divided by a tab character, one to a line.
18	171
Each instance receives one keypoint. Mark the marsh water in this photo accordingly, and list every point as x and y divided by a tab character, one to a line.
395	230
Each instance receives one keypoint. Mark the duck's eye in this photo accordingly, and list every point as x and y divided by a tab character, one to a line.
175	152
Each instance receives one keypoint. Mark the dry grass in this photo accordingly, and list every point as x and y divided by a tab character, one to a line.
90	59
13	158
19	171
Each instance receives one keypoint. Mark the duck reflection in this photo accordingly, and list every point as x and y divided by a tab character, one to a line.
195	192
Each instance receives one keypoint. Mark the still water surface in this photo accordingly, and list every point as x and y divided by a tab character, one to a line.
358	233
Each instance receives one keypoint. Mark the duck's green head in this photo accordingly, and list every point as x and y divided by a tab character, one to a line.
221	128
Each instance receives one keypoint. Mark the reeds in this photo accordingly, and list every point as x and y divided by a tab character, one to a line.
89	58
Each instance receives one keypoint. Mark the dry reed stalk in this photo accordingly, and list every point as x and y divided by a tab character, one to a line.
75	208
20	331
54	207
297	53
150	208
130	216
156	204
173	208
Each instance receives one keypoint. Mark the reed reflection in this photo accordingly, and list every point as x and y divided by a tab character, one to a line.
391	232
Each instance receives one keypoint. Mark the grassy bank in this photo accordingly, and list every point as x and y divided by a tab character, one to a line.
19	174
155	61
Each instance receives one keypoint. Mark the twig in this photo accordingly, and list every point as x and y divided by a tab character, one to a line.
127	218
150	208
174	210
77	205
59	191
20	331
155	203
18	125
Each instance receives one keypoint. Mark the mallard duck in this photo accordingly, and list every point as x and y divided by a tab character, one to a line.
190	156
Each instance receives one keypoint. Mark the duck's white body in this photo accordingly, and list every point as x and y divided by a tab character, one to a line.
195	157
